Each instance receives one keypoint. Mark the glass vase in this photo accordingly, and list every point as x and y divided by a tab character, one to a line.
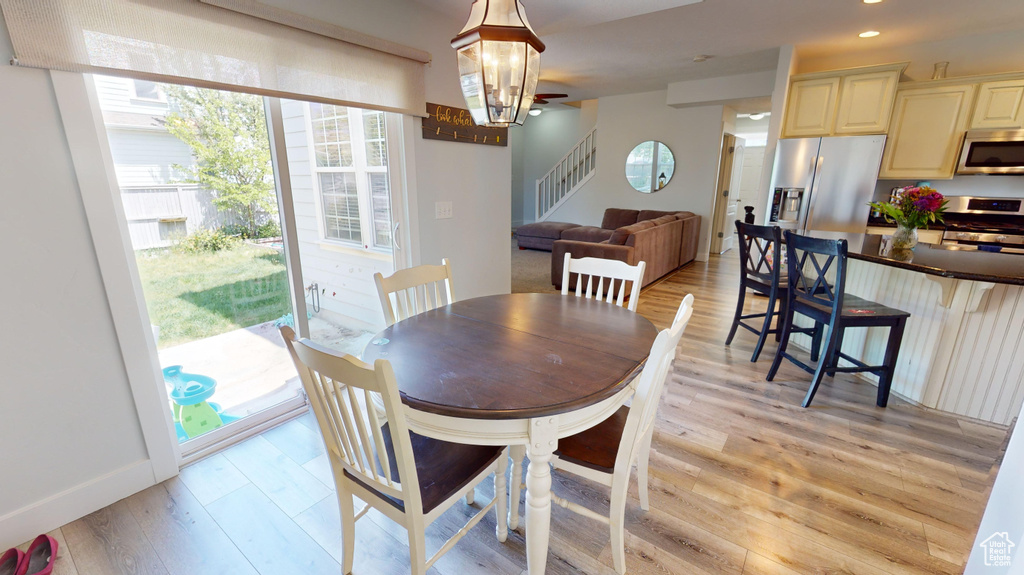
904	238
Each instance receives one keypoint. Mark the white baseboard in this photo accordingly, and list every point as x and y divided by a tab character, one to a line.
24	524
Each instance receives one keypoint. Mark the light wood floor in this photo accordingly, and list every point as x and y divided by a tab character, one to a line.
743	481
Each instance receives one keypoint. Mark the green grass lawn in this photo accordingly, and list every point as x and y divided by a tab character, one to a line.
194	296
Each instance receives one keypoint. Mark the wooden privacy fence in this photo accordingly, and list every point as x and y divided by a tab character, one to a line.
159	215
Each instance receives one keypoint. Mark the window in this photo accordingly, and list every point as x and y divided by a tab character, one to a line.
350	151
146	90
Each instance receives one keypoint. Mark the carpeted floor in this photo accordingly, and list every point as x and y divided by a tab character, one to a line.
531	271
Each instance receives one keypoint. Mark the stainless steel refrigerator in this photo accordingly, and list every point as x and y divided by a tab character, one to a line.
824	184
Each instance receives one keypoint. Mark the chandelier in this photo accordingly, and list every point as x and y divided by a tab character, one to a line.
499	62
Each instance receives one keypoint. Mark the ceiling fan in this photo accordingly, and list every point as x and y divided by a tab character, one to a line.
543	98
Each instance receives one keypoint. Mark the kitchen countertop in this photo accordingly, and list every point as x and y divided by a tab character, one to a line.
949	261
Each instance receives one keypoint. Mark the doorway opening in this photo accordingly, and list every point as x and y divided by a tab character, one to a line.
739	175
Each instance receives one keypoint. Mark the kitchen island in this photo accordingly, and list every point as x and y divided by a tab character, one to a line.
963	348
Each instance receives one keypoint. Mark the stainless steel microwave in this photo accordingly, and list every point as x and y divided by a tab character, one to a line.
992	152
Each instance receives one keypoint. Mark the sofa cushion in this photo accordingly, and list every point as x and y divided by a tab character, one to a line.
551	230
664	219
622	234
587	234
615	218
652	214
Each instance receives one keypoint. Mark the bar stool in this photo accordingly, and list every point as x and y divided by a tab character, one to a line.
810	294
760	271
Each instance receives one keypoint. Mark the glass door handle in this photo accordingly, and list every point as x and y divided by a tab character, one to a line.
394	236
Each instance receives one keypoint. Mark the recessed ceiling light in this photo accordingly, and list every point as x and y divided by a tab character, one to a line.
757	116
872	1
535	111
869	34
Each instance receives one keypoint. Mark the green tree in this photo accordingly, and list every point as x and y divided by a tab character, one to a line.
227	132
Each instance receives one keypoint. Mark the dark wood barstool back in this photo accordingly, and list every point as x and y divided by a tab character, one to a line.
760	271
812	294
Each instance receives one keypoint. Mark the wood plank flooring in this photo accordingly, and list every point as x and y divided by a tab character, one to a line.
743	481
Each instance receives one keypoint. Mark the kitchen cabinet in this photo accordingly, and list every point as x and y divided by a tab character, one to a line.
999	105
812	106
927	127
865	102
841	102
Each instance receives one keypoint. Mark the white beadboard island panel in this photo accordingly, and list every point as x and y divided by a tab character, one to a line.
963	348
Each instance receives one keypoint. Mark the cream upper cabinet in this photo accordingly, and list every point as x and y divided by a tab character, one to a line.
865	102
927	127
812	107
1000	105
841	102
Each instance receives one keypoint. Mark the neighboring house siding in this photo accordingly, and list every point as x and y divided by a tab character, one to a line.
145	158
344	276
154	193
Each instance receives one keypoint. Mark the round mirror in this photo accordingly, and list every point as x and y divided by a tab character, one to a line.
649	166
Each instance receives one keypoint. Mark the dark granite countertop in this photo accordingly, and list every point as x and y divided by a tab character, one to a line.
960	262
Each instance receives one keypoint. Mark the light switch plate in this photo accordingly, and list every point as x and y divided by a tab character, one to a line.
442	210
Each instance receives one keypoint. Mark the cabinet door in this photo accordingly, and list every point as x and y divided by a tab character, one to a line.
1000	105
812	107
865	103
926	131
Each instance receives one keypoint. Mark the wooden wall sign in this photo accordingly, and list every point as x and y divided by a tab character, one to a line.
456	125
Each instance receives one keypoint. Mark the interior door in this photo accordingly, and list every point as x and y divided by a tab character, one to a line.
725	206
733	206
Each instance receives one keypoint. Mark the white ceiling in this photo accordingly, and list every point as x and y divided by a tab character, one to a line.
605	47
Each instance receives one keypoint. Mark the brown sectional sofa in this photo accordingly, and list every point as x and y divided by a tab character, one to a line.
665	240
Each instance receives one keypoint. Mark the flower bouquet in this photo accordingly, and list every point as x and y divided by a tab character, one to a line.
912	207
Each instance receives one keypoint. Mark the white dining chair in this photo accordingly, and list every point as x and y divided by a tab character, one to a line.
408	292
410	478
607	452
605	279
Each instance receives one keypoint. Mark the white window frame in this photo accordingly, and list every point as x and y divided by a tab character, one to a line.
394	169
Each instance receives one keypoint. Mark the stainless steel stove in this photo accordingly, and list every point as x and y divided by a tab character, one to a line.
988	224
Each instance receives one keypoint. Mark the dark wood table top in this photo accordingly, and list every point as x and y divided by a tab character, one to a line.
514	356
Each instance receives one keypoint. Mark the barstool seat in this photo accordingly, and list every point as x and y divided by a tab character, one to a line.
810	293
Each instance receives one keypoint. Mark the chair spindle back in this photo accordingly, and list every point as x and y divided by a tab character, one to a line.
340	391
408	292
605	280
652	382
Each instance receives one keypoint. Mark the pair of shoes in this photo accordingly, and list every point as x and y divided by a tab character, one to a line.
37	561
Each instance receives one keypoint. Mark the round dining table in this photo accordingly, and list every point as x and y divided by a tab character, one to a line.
521	370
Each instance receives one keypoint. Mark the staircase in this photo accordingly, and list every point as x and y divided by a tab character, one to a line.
568	176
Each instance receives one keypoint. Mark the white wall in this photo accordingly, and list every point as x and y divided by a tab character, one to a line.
694	135
541	142
721	90
786	68
67	416
1004	512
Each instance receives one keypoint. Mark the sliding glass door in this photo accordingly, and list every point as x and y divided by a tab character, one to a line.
196	181
207	189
